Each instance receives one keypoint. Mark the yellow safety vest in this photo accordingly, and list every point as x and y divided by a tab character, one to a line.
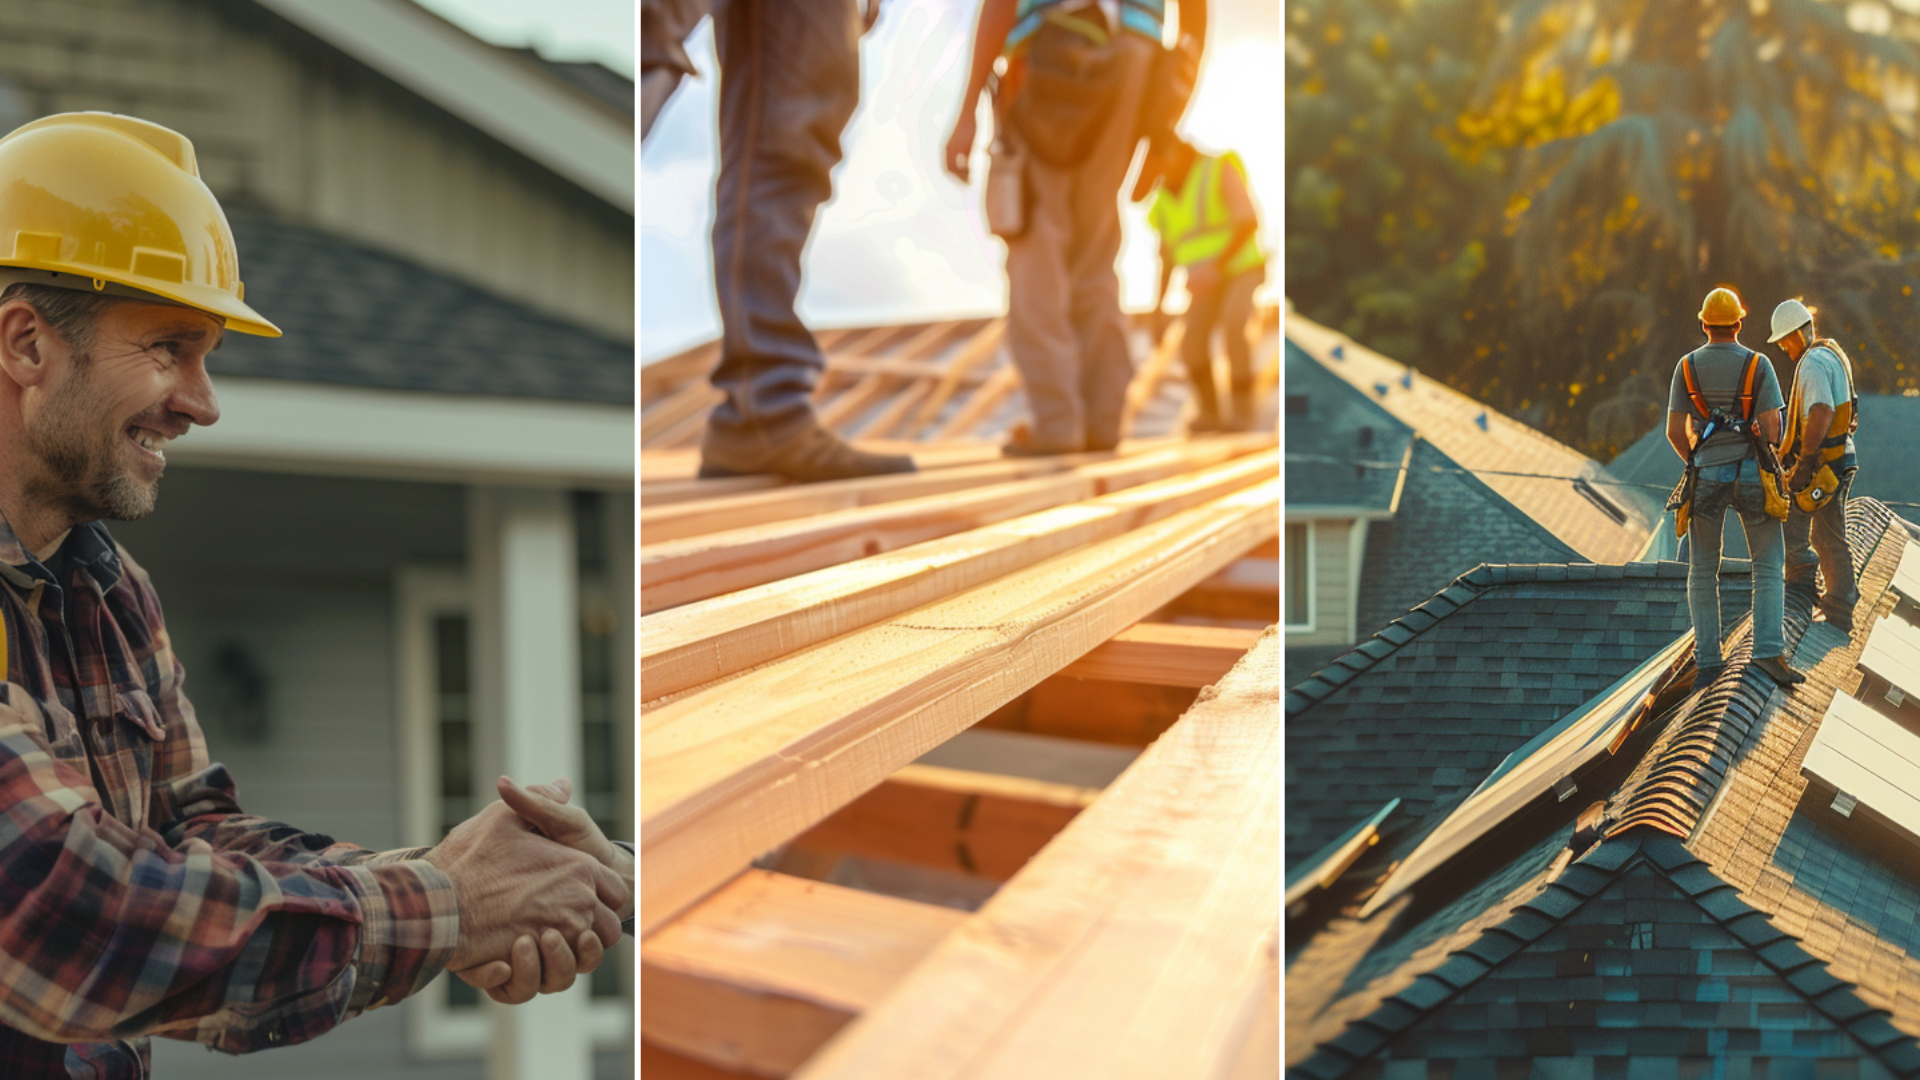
1845	419
1194	224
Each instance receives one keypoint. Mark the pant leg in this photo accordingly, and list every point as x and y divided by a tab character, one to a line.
790	80
1828	533
1196	346
1040	335
1767	546
1703	571
1236	311
1100	327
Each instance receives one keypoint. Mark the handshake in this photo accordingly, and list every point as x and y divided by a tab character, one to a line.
541	891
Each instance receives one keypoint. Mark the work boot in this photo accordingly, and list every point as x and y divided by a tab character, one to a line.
1020	443
798	449
1777	670
1704	677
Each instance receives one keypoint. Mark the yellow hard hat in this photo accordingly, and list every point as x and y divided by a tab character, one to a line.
112	204
1722	308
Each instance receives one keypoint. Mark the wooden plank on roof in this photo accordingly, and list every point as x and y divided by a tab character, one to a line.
1142	943
675	572
981	404
763	972
691	400
952	819
1870	757
856	400
885	422
807	500
1166	654
734	769
714	638
1146	382
658	465
979	349
662	493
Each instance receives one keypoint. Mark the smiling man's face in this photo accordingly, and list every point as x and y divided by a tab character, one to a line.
98	435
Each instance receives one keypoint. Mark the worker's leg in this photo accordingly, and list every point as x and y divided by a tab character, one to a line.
1105	363
1766	546
1196	351
1828	533
789	81
1236	313
1040	331
1710	499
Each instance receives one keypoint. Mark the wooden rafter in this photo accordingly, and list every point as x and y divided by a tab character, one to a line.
688	646
1142	943
979	349
733	770
1165	654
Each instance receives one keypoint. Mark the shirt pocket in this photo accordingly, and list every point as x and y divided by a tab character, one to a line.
137	708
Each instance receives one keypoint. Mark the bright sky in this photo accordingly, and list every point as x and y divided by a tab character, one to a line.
598	30
901	240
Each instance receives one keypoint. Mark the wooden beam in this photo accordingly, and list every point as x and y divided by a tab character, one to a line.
981	404
1146	383
671	373
883	423
763	972
952	819
978	349
1248	590
658	465
731	770
674	572
1166	654
855	400
1142	943
1094	711
663	420
711	639
810	500
668	492
659	1063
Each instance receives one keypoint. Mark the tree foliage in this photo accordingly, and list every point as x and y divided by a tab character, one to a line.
1632	155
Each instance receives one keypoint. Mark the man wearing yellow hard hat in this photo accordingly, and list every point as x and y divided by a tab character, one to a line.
135	896
1723	418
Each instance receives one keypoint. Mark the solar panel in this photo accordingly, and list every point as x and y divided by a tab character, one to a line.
1906	578
1892	652
1325	866
1867	756
1545	763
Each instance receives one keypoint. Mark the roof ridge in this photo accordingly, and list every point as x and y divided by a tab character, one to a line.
1582	880
1676	781
1463	590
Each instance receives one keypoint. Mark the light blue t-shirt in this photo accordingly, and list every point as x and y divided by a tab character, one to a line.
1143	17
1821	379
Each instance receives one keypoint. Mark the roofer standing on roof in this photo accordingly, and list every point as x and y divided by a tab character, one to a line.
1067	117
136	898
1208	226
1723	395
789	82
1818	446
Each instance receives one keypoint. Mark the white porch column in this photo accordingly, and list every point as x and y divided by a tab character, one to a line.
526	625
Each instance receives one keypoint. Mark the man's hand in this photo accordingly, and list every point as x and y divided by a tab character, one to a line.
1203	277
544	807
1802	474
872	16
513	886
960	143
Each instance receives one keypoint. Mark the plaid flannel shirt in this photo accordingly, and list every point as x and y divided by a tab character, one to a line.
136	898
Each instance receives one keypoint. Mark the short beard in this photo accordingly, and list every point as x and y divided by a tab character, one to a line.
80	479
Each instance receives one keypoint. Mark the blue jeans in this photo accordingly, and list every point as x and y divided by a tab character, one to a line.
1819	540
789	82
1734	487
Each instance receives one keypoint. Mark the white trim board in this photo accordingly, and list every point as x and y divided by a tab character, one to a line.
283	426
481	85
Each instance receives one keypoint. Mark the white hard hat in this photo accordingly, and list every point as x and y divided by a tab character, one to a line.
1791	315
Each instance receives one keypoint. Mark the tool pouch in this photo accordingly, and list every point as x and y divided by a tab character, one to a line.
1820	492
1776	499
1006	198
1681	501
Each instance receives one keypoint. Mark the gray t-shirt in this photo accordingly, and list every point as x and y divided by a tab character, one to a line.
1717	368
1821	379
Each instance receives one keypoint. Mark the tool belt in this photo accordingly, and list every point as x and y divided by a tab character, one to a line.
1773	482
1833	447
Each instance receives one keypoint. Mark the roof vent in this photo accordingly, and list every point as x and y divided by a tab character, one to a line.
1380	388
1407	379
1606	506
1339	352
1481	420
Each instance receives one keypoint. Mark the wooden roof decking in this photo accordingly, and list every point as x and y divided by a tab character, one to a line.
920	384
812	661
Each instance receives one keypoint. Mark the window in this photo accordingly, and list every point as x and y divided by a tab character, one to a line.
441	755
1299	592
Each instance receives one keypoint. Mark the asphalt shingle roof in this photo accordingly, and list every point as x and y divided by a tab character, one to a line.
357	317
1427	707
1338	423
1475	437
1727	917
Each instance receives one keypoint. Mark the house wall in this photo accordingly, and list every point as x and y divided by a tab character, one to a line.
284	124
1332	587
299	571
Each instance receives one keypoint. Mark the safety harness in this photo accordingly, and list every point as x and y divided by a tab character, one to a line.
1772	481
1846	420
